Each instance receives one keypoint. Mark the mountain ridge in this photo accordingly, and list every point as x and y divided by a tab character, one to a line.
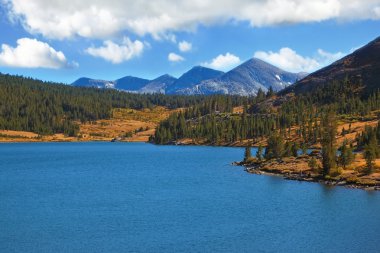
192	77
245	80
159	84
362	65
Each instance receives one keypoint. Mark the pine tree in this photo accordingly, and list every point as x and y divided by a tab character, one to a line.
346	155
247	154
260	95
313	164
343	132
270	92
371	152
369	155
275	147
328	142
295	148
304	148
259	153
288	149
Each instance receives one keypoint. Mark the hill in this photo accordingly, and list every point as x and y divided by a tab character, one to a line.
362	67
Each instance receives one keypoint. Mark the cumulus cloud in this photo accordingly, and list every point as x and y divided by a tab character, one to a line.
223	62
184	46
116	53
31	53
175	57
288	59
102	18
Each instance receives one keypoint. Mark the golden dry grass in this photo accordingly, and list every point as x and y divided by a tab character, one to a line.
141	123
238	109
356	127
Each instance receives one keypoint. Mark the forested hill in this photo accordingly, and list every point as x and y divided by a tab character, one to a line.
44	107
343	84
361	67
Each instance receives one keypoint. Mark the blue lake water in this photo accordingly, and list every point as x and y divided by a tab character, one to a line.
124	197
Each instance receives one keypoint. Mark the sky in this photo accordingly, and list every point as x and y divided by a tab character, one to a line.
63	40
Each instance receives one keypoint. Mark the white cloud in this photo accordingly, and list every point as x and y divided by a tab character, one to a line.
223	62
102	18
376	10
175	57
115	53
184	46
325	58
288	59
31	53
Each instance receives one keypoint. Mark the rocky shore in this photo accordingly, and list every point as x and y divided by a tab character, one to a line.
296	168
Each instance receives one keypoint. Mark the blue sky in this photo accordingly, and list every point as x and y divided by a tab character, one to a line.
64	40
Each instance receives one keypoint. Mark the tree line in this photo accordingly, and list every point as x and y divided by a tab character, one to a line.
27	104
257	121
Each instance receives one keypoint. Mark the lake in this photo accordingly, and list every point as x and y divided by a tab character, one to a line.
135	197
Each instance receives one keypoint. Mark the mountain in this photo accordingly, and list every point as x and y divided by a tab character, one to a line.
88	82
127	83
193	77
246	79
361	66
130	83
158	85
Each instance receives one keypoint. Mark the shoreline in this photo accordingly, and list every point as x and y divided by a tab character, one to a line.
307	177
65	141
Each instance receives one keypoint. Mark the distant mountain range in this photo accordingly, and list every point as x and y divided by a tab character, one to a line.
246	79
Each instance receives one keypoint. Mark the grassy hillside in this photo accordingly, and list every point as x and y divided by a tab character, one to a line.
124	125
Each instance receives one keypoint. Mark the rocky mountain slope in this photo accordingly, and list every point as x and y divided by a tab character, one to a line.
246	79
192	78
158	85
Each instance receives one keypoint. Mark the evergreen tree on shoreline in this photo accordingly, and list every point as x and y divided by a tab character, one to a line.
329	129
371	152
259	153
295	149
346	156
275	147
247	153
